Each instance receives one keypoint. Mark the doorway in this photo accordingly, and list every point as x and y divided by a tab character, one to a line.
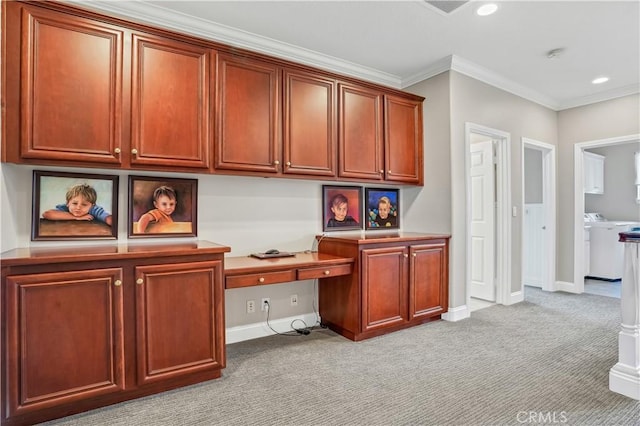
579	255
539	214
488	218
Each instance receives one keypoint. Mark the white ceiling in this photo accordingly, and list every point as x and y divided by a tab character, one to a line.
398	43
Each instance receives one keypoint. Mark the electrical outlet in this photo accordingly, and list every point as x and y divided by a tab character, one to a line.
294	300
266	303
251	306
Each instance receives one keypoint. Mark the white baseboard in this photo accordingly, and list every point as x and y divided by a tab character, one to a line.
516	297
566	286
456	314
241	333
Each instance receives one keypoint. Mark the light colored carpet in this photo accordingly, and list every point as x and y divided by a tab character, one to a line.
542	361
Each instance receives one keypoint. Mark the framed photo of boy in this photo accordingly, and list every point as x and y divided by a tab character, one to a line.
341	208
74	206
383	208
162	207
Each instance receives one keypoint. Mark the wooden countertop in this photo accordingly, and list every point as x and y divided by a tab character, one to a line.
246	264
381	237
114	251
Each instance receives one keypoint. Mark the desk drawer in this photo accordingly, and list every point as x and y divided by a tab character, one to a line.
249	280
324	272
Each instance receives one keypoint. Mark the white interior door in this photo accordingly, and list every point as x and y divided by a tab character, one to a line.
483	201
533	248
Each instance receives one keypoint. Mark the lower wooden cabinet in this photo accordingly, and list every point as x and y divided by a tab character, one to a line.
88	329
399	280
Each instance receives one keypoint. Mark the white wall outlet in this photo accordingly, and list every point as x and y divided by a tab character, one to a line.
265	304
294	300
251	306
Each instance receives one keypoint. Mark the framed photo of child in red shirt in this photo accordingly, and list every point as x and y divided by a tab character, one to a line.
162	207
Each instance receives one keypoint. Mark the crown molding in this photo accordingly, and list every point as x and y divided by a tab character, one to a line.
161	17
632	89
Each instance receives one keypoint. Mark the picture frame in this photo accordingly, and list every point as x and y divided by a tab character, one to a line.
346	201
382	208
74	206
174	212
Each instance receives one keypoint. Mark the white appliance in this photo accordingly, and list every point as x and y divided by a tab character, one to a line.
606	257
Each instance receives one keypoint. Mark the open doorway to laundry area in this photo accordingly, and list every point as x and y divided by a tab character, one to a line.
617	208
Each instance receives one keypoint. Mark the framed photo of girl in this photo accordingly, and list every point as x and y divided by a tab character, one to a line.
162	207
74	206
341	208
383	208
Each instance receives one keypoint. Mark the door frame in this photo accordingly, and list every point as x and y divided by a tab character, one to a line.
578	206
503	253
549	208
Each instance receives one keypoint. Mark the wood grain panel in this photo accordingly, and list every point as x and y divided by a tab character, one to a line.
170	103
65	338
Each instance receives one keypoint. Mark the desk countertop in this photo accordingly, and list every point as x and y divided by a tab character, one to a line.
247	264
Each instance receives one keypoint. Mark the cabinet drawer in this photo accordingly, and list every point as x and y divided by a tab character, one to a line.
324	272
260	279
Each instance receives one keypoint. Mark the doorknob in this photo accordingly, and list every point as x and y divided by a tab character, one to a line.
544	227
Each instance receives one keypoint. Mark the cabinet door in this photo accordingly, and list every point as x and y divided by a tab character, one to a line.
403	140
71	93
248	124
360	133
428	291
64	338
593	173
179	319
384	287
170	121
309	124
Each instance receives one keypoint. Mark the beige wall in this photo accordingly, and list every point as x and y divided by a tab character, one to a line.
602	120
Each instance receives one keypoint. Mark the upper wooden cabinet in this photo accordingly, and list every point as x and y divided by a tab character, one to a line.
360	133
247	111
70	83
170	120
403	143
86	90
380	136
310	117
64	87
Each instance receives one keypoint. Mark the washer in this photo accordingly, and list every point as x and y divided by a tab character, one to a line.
606	259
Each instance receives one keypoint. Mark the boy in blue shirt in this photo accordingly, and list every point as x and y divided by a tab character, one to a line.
81	205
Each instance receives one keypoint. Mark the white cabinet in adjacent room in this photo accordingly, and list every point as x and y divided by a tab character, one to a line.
593	173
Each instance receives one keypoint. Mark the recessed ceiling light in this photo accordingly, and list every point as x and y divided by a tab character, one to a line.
487	9
600	80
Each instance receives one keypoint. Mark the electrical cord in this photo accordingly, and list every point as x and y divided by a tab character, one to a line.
305	331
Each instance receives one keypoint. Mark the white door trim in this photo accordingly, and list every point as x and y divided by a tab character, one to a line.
578	206
549	205
503	213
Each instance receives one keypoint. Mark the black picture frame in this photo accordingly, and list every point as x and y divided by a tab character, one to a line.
91	212
389	198
351	196
181	222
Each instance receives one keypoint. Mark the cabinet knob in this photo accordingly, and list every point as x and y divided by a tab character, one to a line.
406	255
276	162
388	172
414	255
117	150
381	171
288	163
134	151
139	281
117	283
261	280
327	272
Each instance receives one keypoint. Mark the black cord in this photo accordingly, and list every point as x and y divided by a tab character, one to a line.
297	331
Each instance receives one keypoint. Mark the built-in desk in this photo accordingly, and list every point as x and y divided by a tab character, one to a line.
247	271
